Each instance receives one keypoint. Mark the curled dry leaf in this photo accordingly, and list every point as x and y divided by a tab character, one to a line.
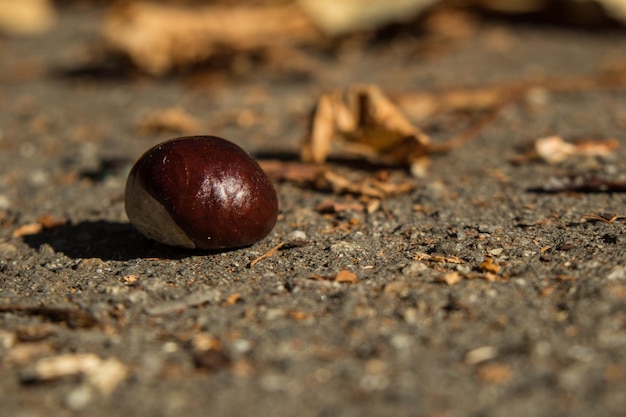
370	125
159	38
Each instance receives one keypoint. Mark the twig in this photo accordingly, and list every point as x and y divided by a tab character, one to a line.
267	254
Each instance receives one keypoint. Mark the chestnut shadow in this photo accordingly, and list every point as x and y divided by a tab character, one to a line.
105	240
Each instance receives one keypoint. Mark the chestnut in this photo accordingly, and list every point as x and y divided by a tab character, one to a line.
200	192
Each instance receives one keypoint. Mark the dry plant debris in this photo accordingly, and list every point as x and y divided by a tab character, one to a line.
343	277
604	217
329	206
72	317
421	105
555	150
584	183
45	222
370	124
438	258
488	266
344	16
160	38
378	185
26	17
267	254
102	375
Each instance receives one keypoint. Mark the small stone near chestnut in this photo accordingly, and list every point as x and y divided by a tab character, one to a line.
200	192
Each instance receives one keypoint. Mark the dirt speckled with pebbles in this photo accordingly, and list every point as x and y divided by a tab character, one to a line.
425	326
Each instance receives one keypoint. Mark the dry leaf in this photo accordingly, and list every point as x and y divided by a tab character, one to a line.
26	17
159	38
369	123
554	150
343	16
102	375
368	186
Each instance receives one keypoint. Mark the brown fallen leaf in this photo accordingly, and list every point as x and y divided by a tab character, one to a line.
368	186
159	38
326	178
26	17
554	150
347	16
370	125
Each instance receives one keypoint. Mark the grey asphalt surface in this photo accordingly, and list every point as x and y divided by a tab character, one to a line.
205	334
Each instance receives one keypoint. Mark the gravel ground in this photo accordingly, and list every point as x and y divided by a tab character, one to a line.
155	331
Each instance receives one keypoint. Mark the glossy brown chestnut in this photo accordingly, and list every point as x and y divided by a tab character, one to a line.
200	192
